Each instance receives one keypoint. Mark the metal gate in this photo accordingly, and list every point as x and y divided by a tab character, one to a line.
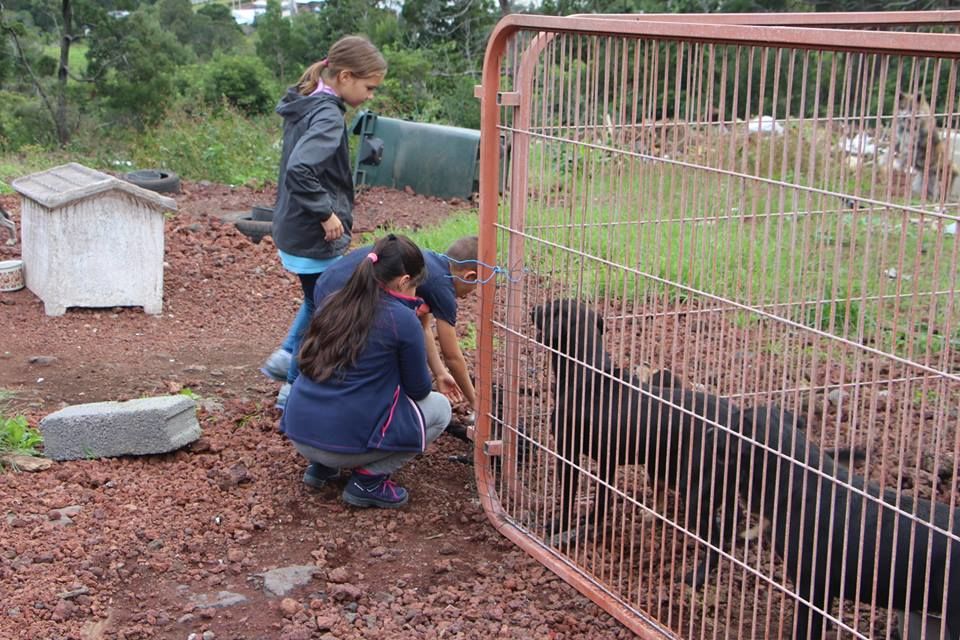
719	348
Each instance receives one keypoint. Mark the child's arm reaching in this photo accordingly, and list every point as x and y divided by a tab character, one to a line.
446	383
453	358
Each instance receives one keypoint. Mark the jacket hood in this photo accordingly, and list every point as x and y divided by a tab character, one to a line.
294	106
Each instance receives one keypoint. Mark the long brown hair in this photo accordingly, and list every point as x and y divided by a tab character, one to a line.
338	331
355	54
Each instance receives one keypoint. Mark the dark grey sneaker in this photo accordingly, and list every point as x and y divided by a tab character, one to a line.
369	490
318	475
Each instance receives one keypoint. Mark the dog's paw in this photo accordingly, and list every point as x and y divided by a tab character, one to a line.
697	576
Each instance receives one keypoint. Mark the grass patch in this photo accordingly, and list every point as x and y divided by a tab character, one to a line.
221	146
436	238
717	226
18	437
77	60
31	159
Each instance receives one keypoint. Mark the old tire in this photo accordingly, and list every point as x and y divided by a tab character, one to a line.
155	180
253	229
262	214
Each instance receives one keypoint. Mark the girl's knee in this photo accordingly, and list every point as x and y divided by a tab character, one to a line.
436	413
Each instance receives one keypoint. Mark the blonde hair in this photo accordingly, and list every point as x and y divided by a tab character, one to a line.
355	54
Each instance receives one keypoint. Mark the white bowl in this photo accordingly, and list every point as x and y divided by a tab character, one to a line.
11	275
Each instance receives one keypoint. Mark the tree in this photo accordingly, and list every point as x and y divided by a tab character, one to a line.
133	60
214	29
464	22
54	99
274	40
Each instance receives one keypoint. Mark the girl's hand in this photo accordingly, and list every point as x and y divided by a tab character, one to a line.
449	387
333	227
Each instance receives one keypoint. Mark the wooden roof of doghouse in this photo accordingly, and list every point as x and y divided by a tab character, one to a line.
71	182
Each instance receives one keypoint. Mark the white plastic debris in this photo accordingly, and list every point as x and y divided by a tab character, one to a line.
765	124
859	145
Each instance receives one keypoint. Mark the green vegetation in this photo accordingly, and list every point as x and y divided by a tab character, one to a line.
190	393
221	146
716	225
436	238
17	437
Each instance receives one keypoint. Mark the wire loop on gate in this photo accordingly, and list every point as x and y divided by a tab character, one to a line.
495	269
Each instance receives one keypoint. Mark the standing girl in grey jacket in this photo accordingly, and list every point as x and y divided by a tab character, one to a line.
313	215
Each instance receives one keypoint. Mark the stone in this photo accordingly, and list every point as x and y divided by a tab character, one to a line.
143	426
280	582
289	607
221	600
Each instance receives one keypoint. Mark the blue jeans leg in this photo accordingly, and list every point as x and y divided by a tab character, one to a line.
297	329
307	283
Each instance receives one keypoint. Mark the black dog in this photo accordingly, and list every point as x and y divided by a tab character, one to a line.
601	413
827	558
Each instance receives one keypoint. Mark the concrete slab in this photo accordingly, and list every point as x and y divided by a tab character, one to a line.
105	429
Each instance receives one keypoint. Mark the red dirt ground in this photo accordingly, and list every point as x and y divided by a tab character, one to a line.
128	548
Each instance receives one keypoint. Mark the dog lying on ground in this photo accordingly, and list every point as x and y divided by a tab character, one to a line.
816	528
600	413
7	221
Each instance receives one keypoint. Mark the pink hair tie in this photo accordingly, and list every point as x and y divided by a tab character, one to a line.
324	62
373	257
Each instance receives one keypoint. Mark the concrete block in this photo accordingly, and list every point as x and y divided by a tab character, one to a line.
135	427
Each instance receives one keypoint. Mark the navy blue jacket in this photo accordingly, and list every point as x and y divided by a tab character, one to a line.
372	405
437	290
315	178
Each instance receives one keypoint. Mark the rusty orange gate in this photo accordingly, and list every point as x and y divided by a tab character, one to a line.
719	347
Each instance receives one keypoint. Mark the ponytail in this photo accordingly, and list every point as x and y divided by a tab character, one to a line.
338	331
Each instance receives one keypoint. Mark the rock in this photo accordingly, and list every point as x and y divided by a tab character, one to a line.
279	582
344	592
236	475
42	361
222	600
63	517
63	611
73	593
25	463
339	575
325	623
295	633
290	607
837	397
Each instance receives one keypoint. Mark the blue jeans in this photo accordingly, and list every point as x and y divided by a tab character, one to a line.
307	283
297	329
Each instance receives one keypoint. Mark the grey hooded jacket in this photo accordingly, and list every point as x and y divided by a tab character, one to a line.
315	178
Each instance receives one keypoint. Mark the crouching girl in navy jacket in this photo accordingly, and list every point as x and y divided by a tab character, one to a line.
365	401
